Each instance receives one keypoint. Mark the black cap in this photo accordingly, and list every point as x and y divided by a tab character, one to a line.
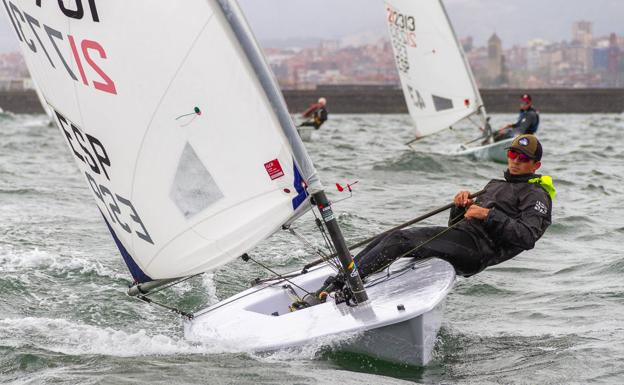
528	145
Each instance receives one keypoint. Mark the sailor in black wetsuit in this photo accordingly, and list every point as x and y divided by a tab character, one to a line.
316	114
508	218
528	121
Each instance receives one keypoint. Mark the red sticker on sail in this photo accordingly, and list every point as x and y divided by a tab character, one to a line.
274	168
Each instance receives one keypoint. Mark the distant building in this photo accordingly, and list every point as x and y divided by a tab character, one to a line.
613	66
535	50
600	58
467	43
582	32
579	56
496	62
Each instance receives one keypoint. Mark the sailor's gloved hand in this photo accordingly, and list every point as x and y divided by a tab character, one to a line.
462	199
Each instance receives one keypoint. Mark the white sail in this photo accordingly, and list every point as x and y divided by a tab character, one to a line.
436	78
175	122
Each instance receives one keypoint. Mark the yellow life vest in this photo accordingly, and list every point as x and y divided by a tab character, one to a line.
547	184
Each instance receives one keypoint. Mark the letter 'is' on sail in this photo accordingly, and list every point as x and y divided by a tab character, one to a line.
175	122
436	78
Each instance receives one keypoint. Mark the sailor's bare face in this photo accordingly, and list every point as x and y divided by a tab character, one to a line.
517	167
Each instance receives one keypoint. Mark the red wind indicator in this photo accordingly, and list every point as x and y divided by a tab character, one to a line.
341	189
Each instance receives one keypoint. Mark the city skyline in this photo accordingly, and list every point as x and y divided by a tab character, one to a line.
584	57
514	22
583	60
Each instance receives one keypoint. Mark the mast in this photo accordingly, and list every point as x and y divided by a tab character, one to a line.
481	107
269	84
342	250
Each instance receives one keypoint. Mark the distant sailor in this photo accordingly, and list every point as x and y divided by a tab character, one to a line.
316	114
508	218
528	121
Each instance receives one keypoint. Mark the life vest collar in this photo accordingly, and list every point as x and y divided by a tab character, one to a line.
546	183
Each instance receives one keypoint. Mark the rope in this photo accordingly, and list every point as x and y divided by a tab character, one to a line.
319	224
145	297
326	257
150	301
246	258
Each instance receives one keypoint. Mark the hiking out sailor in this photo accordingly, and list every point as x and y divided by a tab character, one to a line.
509	217
527	123
316	114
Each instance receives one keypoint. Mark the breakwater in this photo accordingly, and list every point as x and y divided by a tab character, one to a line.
384	100
389	100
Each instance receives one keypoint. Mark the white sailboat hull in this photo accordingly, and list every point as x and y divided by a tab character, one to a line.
305	133
398	324
495	151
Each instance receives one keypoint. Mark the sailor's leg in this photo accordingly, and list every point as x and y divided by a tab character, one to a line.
456	247
386	249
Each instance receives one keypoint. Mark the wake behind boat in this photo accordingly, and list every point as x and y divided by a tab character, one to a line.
193	159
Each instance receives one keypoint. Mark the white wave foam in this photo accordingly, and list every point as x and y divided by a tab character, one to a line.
211	289
74	338
66	337
308	351
13	260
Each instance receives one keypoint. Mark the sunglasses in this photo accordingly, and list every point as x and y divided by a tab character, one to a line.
520	157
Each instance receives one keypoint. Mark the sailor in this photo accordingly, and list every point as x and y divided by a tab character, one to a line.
528	121
316	114
508	218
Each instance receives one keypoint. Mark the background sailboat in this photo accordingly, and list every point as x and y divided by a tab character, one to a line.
438	84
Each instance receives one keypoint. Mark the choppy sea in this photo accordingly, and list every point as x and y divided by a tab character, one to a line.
552	315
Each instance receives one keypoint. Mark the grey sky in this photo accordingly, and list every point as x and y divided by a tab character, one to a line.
514	21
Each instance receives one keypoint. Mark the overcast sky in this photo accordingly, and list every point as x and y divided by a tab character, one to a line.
515	21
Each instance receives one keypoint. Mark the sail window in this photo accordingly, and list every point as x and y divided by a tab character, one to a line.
193	188
441	103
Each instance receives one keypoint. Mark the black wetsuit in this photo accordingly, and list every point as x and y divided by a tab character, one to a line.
520	212
528	123
318	118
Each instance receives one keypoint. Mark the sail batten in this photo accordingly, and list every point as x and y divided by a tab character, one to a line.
435	76
176	124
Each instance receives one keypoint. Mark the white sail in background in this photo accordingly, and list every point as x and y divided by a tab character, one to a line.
436	78
176	124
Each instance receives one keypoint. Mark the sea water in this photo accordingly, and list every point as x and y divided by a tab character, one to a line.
554	314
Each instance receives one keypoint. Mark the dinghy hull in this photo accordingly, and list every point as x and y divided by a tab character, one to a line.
410	342
305	133
496	151
398	324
